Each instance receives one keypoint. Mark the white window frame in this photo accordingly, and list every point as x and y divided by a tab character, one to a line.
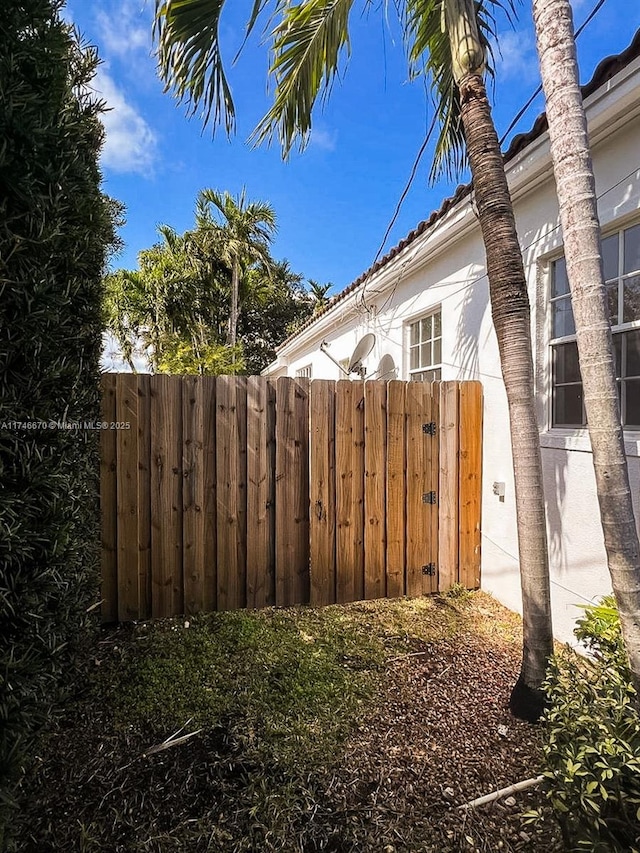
631	432
434	367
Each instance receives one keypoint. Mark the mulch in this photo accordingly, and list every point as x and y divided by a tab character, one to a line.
443	737
439	735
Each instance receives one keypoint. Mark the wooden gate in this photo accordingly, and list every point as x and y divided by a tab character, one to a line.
230	492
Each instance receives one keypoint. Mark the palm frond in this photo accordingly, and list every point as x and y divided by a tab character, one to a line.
429	50
202	213
171	238
189	57
208	197
308	46
261	217
241	232
429	53
509	9
258	7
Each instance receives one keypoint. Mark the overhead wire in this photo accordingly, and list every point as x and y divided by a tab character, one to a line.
465	284
515	121
405	192
423	147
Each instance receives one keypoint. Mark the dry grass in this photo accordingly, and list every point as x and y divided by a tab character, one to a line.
351	728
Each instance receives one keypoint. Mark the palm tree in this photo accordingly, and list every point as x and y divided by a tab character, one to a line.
124	310
164	304
242	238
447	39
318	293
575	184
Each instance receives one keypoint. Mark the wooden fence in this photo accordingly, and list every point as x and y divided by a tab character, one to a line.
229	492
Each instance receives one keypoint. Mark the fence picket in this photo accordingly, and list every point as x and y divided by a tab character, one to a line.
166	496
418	408
322	531
127	451
260	491
375	434
470	494
231	447
431	583
396	489
192	492
144	497
207	544
292	491
448	509
349	490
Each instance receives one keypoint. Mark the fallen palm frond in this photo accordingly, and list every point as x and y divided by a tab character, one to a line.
172	740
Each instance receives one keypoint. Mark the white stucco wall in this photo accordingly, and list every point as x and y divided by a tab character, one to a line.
445	267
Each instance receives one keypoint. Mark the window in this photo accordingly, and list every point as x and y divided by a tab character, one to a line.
304	372
425	348
621	259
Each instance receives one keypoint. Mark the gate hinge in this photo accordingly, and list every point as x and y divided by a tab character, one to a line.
429	569
429	429
429	498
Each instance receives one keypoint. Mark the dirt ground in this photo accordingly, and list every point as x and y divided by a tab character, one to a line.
443	737
434	733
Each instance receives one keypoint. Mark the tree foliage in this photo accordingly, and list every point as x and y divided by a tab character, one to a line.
176	306
270	317
320	294
310	46
55	230
240	238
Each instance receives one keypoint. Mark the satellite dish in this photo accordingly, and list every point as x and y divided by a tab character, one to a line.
386	369
362	350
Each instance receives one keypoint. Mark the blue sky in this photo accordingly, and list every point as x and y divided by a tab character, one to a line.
333	201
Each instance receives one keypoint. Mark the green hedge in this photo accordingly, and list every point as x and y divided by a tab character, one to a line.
55	227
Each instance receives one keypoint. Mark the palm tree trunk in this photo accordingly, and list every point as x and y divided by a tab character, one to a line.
233	315
575	184
197	351
511	318
126	348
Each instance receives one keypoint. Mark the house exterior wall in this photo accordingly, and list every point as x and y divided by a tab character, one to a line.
444	268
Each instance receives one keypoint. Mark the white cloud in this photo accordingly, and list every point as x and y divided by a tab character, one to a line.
125	30
325	140
131	143
112	359
515	56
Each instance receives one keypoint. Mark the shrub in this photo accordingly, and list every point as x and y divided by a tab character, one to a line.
592	754
55	226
